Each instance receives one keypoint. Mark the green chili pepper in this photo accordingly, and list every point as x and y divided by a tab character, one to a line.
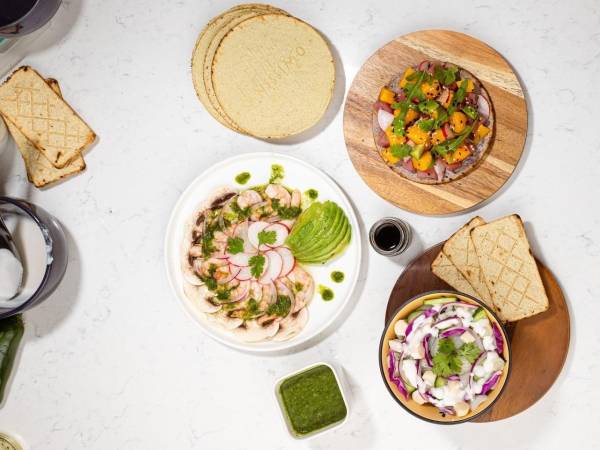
11	332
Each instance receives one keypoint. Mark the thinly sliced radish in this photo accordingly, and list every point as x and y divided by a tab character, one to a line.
240	292
288	260
483	106
288	223
233	272
281	233
244	274
384	119
253	229
240	259
273	269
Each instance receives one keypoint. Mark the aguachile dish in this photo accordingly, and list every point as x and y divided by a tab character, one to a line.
433	123
449	354
243	256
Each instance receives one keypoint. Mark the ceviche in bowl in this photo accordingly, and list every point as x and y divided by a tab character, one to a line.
445	357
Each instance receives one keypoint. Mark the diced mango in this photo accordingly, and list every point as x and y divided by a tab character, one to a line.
396	112
437	136
424	162
388	157
431	89
482	131
394	138
387	95
407	73
458	121
470	85
417	135
411	116
460	153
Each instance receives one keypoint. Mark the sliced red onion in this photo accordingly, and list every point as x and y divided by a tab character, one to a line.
408	164
477	361
498	337
454	378
449	410
427	350
394	379
384	119
382	105
440	169
453	332
490	383
383	140
483	106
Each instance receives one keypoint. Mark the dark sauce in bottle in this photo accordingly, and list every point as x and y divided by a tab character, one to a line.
387	236
390	236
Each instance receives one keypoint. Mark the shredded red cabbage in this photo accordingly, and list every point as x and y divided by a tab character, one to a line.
452	332
427	350
498	337
490	383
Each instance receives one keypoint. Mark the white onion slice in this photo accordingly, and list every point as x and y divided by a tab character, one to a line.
483	106
384	119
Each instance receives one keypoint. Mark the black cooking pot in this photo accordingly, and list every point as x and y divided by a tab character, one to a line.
20	17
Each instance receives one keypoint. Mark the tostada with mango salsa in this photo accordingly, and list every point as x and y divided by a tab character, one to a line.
433	123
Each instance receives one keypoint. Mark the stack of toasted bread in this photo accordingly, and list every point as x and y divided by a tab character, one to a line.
493	262
48	132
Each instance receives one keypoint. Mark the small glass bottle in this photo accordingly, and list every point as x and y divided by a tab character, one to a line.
390	236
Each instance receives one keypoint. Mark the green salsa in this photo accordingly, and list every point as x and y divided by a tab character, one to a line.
326	293
337	276
277	173
312	194
312	400
242	178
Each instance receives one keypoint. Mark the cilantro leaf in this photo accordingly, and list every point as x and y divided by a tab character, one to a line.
469	351
445	365
288	212
267	237
446	346
235	245
281	307
257	265
400	150
426	125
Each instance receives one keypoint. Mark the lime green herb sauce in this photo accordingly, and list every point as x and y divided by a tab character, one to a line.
277	173
337	276
312	400
326	293
312	194
242	178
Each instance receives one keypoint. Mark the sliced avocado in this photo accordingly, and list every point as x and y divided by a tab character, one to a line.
439	301
313	223
479	314
440	382
326	234
337	245
417	151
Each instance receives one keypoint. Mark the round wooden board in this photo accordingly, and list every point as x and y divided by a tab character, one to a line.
539	345
506	146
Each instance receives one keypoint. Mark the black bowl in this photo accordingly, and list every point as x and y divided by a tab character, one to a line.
56	247
40	13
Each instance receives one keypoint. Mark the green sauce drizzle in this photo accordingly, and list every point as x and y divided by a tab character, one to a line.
326	293
312	194
337	276
277	173
242	178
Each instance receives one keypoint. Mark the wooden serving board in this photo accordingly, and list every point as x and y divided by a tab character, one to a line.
506	145
539	345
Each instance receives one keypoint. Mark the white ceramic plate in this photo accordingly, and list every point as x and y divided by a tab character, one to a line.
299	175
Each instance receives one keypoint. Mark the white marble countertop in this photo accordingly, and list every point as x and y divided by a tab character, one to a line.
111	361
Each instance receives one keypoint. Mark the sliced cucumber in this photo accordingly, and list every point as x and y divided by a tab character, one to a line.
439	301
440	382
479	314
410	388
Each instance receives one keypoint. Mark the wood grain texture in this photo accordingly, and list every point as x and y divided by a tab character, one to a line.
539	345
506	146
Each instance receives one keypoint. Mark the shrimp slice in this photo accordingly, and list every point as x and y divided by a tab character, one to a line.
277	191
304	287
248	198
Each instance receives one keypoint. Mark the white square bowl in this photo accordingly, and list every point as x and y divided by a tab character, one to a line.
341	384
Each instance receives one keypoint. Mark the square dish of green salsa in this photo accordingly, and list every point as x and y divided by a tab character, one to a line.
312	400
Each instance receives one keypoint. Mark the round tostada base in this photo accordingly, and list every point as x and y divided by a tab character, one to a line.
499	161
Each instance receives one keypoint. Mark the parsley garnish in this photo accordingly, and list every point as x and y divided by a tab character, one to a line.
281	307
266	237
235	245
469	351
257	265
400	150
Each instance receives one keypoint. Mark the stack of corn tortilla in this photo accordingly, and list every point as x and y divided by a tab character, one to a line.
48	132
261	72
